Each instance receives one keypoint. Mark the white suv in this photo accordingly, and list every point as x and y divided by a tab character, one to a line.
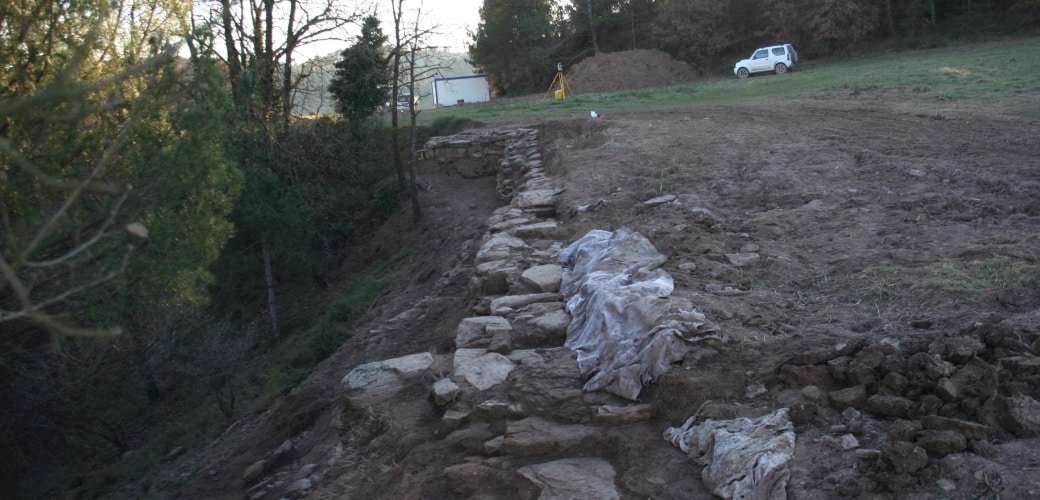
778	58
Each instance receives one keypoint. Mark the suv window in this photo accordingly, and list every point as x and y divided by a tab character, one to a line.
778	51
762	54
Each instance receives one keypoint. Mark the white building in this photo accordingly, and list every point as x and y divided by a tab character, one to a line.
460	90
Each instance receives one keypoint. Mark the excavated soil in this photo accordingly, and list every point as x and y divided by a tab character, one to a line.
870	260
630	69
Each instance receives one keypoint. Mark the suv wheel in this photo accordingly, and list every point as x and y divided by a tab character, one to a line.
780	68
742	73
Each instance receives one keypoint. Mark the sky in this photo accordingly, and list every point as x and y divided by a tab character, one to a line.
455	17
451	19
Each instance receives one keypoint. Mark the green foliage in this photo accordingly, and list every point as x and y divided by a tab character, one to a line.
291	361
362	78
448	125
114	200
513	45
699	30
109	165
1025	14
313	196
837	23
185	189
519	41
618	24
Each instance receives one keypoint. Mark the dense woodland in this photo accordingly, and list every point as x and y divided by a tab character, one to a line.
518	41
166	221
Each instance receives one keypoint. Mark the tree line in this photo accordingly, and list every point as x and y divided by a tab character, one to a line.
519	41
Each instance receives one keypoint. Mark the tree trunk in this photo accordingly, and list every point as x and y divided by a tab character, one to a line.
395	139
287	88
413	191
272	303
234	62
632	24
140	357
266	61
891	17
395	91
290	46
592	26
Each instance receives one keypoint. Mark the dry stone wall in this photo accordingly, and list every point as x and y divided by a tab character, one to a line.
509	364
511	394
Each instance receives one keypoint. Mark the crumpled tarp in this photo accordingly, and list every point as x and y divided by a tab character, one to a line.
626	326
743	458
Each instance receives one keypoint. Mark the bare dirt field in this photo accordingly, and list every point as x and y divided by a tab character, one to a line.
870	261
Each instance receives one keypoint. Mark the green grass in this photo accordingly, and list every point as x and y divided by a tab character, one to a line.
901	293
975	71
293	359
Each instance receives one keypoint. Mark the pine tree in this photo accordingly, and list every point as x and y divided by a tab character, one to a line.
113	181
513	45
361	81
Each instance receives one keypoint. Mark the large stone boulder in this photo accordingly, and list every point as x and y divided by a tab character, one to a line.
1022	416
573	478
477	331
543	278
534	436
500	246
493	277
484	371
376	382
510	303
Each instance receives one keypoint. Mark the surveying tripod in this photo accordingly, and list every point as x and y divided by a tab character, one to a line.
564	90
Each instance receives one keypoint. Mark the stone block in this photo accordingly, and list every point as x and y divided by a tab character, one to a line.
543	279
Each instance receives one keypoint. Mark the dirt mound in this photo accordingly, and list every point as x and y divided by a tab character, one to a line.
631	69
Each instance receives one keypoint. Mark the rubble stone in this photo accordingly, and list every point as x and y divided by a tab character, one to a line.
444	392
621	415
849	397
534	436
970	430
573	478
545	278
903	456
941	443
888	406
1022	416
797	376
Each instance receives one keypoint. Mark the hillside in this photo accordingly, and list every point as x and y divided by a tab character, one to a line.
869	262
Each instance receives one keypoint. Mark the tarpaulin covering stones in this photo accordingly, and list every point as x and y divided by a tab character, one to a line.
743	458
626	326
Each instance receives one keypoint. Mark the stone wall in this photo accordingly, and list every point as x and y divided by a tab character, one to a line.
469	154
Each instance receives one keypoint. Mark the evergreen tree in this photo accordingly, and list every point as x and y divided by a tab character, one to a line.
114	182
514	44
361	82
115	193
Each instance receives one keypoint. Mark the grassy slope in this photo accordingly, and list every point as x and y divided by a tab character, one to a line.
978	71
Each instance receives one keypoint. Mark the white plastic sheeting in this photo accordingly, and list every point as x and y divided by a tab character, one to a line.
626	326
743	458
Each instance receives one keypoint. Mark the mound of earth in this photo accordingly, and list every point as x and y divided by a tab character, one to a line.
631	69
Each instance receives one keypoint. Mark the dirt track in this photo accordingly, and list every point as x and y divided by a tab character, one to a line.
856	220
